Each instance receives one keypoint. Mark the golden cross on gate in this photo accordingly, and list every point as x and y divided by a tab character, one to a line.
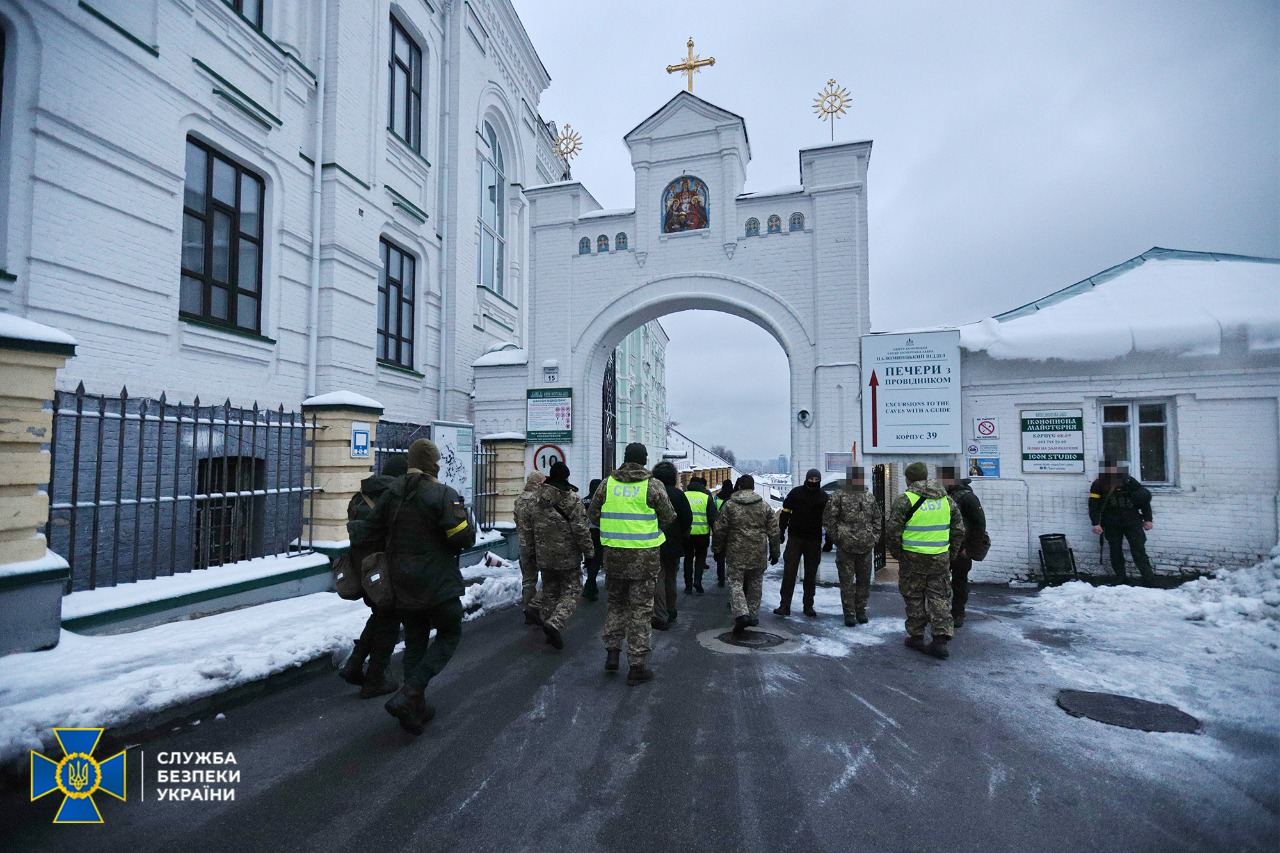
691	65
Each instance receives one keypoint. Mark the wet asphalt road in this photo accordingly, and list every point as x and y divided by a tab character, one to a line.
883	749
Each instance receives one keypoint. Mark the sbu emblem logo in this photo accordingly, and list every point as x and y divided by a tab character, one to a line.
78	776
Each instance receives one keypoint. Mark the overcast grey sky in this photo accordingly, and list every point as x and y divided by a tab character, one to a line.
1019	146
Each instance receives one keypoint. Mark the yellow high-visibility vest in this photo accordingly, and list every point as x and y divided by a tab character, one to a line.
929	530
626	519
698	503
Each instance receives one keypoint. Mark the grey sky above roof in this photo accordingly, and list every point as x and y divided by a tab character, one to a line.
1018	146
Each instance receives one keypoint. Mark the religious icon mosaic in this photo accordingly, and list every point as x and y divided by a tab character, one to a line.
685	205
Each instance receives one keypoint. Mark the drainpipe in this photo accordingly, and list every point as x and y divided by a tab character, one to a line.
317	132
442	220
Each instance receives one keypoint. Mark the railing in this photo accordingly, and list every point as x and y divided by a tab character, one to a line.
394	437
142	488
486	480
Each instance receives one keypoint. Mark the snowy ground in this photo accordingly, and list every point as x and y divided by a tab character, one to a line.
109	680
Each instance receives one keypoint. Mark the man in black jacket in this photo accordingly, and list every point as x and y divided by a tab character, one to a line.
672	550
422	525
802	516
1120	509
975	527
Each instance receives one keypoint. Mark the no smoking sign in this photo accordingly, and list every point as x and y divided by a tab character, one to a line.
986	428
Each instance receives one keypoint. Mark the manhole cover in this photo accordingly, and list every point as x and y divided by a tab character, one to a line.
1127	712
752	639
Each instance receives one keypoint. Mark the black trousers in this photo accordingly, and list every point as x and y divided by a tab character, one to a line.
423	658
596	563
379	635
1116	536
811	551
664	591
960	567
720	569
695	558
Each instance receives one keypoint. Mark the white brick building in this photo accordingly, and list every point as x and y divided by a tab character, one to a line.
641	383
793	261
148	143
1173	359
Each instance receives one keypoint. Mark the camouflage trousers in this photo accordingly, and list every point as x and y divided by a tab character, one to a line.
855	582
925	584
559	596
745	587
629	615
528	582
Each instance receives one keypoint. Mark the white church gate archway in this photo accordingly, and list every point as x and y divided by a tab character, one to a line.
793	261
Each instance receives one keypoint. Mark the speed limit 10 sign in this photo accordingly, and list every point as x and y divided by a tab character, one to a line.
546	456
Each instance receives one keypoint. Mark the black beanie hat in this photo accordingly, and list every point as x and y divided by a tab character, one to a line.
559	472
636	452
746	481
665	473
395	465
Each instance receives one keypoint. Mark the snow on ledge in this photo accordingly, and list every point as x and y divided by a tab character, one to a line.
503	436
50	560
94	601
342	398
613	211
502	357
22	329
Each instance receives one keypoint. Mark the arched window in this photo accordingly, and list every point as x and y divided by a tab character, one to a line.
584	246
405	99
493	209
602	243
620	241
685	205
796	223
753	227
775	224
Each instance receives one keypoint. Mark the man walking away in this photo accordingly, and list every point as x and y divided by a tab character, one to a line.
561	538
672	549
925	532
422	524
975	538
746	531
853	519
1120	509
630	515
704	509
726	492
802	516
590	588
528	566
378	639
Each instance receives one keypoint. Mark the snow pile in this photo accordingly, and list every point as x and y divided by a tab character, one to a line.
113	680
1234	596
1165	304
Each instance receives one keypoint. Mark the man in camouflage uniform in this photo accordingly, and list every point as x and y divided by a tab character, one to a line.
559	539
852	518
924	579
630	573
529	599
746	530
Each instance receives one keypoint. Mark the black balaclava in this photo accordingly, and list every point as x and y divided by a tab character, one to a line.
636	452
812	473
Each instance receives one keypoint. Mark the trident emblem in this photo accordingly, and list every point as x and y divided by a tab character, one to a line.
78	776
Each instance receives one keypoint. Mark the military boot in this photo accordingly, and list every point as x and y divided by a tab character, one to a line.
740	625
862	617
850	622
410	707
938	648
810	612
553	635
638	673
611	660
532	616
352	671
781	611
916	643
590	591
376	682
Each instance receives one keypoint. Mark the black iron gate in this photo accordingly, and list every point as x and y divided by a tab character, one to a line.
879	487
609	407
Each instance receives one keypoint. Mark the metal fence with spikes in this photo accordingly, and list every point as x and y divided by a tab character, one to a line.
144	487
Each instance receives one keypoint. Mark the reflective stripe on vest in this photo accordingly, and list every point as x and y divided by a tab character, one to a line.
929	530
698	503
626	519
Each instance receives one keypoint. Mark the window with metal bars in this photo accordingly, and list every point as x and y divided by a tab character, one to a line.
395	305
405	119
221	240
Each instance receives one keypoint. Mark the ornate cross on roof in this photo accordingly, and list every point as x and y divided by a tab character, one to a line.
691	65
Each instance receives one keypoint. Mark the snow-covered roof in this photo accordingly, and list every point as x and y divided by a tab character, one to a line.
1164	300
21	329
789	189
612	211
505	353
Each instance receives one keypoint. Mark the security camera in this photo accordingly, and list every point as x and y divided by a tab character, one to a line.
803	416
